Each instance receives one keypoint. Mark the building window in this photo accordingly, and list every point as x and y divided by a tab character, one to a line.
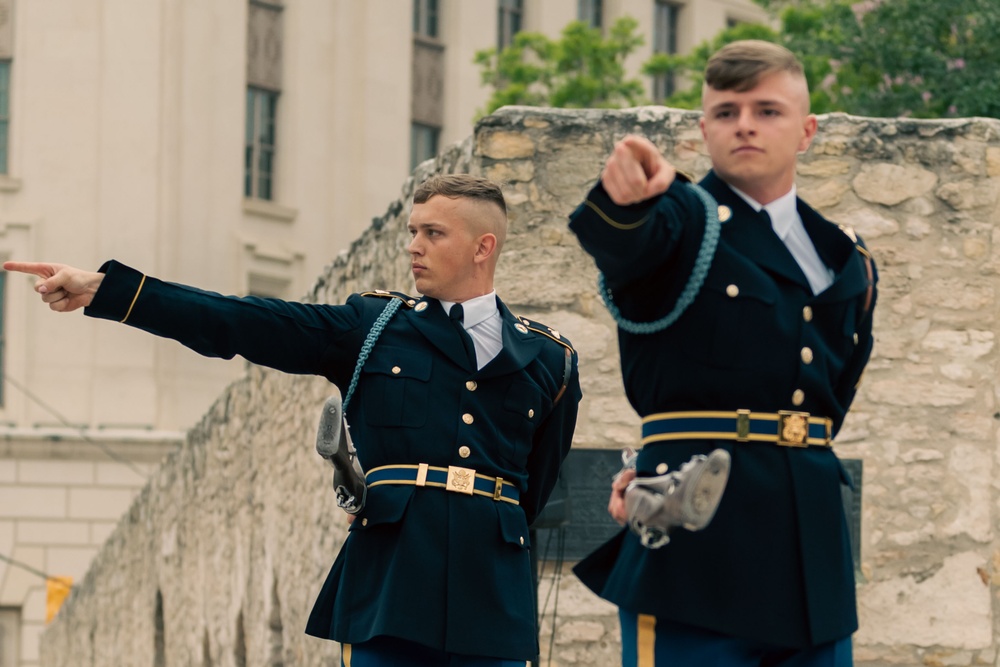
509	15
425	18
423	143
264	67
262	108
3	341
10	619
4	114
664	41
590	12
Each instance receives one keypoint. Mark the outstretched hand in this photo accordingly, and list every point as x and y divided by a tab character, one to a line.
636	171
64	288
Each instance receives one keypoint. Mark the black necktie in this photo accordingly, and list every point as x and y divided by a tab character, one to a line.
457	313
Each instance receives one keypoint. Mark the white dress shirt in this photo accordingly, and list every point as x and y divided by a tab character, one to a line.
787	224
482	322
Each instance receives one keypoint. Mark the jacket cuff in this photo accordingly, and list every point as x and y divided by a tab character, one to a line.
620	217
117	294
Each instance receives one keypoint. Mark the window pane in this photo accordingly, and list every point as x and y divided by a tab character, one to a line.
9	631
4	113
508	22
590	12
423	143
3	370
665	41
262	109
432	18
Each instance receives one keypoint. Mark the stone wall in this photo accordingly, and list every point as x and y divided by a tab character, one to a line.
219	559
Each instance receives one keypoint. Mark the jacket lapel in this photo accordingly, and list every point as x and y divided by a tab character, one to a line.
428	317
520	346
752	233
838	251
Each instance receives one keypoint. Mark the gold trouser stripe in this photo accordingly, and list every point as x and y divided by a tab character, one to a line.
645	637
617	225
345	654
134	299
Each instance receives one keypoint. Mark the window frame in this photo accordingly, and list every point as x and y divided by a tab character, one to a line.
10	619
430	151
510	21
666	19
591	12
427	19
261	110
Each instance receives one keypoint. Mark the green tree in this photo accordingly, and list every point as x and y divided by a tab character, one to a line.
580	69
690	67
920	58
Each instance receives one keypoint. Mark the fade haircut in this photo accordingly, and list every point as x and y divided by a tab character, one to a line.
474	188
461	186
739	66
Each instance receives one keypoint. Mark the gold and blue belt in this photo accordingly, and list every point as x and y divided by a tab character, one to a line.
452	478
785	428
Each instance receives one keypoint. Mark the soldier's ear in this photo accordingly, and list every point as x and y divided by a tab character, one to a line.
486	245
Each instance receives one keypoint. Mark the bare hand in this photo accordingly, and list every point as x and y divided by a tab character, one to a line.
636	171
63	287
616	506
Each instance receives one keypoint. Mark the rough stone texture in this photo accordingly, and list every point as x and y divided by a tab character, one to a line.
234	534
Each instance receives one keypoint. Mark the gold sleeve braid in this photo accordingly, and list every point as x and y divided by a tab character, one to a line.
134	299
617	225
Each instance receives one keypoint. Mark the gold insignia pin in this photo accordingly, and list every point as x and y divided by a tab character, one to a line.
420	307
725	213
520	327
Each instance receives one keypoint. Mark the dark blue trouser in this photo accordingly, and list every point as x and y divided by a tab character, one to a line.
647	642
392	652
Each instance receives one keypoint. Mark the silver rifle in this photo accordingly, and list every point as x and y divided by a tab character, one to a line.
333	442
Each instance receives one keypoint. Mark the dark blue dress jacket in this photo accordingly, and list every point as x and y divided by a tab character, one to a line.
444	569
775	564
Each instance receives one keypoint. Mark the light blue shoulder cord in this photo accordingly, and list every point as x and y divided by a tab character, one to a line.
703	262
366	349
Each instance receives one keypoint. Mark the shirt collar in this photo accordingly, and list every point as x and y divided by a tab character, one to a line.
477	310
783	210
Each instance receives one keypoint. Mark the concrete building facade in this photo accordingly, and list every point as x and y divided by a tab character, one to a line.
237	145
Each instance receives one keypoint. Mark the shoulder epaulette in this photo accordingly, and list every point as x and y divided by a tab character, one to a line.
548	332
683	176
552	334
408	301
866	256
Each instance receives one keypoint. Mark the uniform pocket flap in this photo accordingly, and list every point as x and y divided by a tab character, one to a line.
384	504
743	287
513	525
399	362
524	399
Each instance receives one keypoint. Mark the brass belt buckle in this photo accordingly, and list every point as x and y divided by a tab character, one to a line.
460	480
793	428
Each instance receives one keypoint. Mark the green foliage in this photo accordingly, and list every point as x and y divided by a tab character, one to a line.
919	58
580	69
691	66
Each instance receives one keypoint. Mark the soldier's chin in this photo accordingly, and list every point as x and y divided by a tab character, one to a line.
424	287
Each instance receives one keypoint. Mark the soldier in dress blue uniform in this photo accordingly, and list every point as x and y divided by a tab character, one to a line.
461	423
764	362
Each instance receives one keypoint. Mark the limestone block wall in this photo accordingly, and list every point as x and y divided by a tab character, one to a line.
219	559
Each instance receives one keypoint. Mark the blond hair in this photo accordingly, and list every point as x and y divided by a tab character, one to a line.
739	66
